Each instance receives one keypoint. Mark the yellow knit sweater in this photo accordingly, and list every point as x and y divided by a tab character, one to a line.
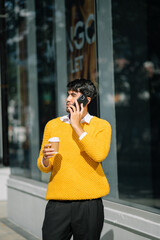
76	171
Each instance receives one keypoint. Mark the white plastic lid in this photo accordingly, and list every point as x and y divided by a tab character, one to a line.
54	139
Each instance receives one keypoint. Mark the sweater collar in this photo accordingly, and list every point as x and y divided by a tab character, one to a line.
86	119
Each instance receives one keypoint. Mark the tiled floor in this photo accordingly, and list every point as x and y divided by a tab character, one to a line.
10	231
7	233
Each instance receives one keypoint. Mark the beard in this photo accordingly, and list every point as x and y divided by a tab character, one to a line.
67	110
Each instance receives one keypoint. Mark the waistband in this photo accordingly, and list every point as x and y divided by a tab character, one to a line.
69	201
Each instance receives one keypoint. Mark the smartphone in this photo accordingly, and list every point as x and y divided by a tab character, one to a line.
82	99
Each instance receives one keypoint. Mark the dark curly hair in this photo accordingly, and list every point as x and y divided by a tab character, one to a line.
84	86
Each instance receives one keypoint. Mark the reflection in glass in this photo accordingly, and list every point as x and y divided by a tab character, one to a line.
45	17
81	39
31	79
137	85
81	43
18	108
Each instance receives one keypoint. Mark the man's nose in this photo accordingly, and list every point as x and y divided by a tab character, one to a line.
69	98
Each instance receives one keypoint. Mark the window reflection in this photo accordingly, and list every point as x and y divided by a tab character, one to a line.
137	85
81	43
31	78
18	108
81	39
45	33
31	73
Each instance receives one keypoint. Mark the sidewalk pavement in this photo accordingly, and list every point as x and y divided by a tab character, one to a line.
10	231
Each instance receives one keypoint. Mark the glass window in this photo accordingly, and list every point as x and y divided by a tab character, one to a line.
46	68
136	49
81	43
31	80
52	42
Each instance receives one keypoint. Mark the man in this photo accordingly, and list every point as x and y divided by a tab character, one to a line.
77	180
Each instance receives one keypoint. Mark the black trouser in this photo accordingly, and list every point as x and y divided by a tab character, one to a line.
83	219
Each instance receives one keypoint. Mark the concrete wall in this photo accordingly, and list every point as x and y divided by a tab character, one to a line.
26	204
4	175
26	207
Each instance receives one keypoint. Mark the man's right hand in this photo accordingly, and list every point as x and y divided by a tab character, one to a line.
48	152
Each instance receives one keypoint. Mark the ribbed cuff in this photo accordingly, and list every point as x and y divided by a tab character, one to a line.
82	135
44	165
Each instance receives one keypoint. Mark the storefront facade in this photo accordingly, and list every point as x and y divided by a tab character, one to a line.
116	45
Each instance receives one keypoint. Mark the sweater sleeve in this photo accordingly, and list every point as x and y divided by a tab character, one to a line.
45	141
97	142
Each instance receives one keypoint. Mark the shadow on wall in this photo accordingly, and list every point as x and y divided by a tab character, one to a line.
108	236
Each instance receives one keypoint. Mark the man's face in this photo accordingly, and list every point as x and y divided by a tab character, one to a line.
72	96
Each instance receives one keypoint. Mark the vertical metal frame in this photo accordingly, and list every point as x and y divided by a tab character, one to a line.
61	56
106	86
4	85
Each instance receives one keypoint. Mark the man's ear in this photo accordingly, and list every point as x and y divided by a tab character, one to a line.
89	100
